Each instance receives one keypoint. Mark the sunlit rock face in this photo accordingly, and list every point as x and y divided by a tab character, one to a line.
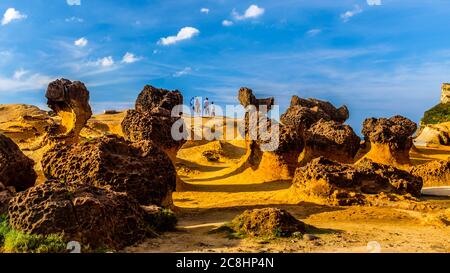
390	140
445	96
70	101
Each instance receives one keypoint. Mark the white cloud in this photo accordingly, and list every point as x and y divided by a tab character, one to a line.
227	23
183	72
74	2
12	14
314	31
21	83
374	2
74	19
350	13
184	34
129	58
18	74
252	12
105	62
82	42
204	10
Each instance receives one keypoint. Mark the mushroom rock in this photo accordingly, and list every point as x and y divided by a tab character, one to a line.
16	169
434	173
390	140
140	169
152	119
274	150
329	182
310	111
70	101
246	98
151	98
93	216
332	140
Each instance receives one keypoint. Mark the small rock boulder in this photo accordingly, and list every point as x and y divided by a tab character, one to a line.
93	216
332	140
152	97
390	140
16	169
309	111
271	222
141	170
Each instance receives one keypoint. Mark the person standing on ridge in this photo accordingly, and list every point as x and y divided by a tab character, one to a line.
213	109
191	103
197	106
206	107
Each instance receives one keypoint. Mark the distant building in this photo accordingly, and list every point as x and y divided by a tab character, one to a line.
445	97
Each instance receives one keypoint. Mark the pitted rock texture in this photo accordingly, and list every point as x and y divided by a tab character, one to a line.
152	97
332	140
152	119
16	169
326	181
268	222
6	194
93	216
390	139
306	112
70	101
434	173
141	169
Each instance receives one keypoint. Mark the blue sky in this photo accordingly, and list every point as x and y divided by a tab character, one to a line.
378	57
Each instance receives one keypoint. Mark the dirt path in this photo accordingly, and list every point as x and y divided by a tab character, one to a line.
216	193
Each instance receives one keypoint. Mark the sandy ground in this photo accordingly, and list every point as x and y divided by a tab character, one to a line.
217	192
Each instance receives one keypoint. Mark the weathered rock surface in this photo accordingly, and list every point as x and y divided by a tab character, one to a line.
269	147
6	194
433	173
152	119
332	140
247	98
390	140
16	169
271	222
152	97
93	216
445	96
140	169
437	134
70	101
309	111
326	181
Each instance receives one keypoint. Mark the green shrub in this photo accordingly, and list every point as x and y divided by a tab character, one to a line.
164	220
13	241
438	114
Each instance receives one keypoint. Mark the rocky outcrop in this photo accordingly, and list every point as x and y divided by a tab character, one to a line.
152	119
332	140
309	111
445	96
246	98
70	101
326	181
390	140
270	145
93	216
16	169
434	134
268	222
141	169
433	173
